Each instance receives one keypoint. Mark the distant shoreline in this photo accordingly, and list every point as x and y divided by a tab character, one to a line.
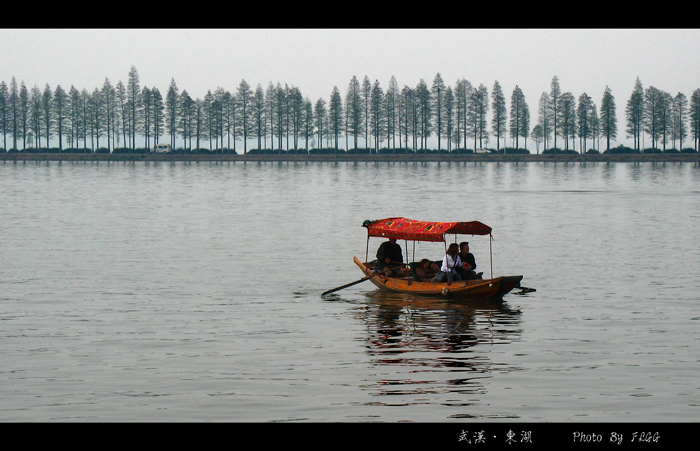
401	158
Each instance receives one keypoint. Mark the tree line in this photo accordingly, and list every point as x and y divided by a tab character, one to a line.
367	118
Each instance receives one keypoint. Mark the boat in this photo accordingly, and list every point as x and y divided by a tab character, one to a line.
410	230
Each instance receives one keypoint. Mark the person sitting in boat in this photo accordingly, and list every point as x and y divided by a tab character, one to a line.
450	263
466	270
389	255
426	270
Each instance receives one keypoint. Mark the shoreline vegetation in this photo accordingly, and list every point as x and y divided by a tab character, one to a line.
368	118
370	121
358	157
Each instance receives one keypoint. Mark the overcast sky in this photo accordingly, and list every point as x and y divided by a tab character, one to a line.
316	60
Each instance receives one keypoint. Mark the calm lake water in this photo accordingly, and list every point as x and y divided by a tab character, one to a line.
192	292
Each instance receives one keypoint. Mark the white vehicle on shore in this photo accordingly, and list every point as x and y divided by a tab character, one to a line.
162	148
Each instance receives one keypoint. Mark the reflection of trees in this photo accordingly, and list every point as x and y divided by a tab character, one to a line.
435	345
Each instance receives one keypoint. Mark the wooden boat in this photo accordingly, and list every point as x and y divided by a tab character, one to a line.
407	282
497	287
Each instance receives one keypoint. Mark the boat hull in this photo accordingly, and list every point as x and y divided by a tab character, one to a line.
480	288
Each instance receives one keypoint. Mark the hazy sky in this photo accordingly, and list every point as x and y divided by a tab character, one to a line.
316	60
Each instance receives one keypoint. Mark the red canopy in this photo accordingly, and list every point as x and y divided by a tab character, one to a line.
412	230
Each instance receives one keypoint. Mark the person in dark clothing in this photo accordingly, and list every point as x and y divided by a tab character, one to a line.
389	255
426	270
467	271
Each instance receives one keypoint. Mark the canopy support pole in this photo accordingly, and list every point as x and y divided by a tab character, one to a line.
367	250
491	253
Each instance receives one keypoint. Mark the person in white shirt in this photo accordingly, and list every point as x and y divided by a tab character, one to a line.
450	263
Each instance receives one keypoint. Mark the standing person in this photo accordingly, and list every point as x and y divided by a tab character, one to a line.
466	270
389	255
450	263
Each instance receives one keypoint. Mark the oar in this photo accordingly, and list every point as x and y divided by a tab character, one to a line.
386	272
348	284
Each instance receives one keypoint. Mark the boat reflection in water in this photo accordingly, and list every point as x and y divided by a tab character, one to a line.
436	347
